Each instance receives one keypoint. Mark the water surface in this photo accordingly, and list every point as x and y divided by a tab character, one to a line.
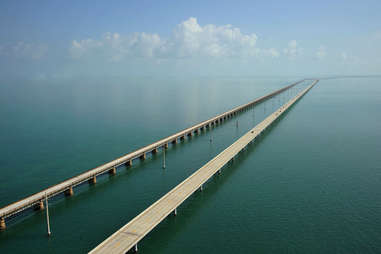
310	185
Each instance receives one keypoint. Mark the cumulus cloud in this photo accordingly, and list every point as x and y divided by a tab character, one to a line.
344	56
348	58
80	48
292	50
189	39
22	49
321	53
272	52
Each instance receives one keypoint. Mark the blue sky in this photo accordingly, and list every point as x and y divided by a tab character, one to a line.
65	39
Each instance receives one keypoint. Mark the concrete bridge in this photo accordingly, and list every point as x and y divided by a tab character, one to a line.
67	186
129	235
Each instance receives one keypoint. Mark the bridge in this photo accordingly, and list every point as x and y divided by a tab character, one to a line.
129	235
67	186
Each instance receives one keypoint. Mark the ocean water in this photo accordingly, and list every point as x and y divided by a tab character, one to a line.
310	185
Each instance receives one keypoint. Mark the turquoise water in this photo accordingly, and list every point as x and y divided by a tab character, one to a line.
310	185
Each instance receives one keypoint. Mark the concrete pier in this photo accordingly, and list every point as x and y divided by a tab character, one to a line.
112	171
93	180
130	234
126	159
69	192
41	205
2	224
154	151
143	156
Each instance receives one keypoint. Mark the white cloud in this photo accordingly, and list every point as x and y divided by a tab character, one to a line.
348	58
292	50
271	52
22	49
344	56
79	48
189	39
321	53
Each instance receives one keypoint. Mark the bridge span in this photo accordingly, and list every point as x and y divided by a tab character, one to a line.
67	186
129	235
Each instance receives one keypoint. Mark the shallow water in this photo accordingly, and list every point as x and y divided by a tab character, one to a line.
310	185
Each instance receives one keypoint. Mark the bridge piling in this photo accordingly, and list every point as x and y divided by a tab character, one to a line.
66	186
93	180
164	159
112	171
40	205
2	224
69	192
130	234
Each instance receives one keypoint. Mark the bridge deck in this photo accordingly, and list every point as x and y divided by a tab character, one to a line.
34	199
129	235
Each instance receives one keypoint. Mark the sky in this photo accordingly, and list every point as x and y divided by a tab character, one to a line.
55	39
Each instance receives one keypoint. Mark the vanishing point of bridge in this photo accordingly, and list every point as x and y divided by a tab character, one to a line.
129	235
67	187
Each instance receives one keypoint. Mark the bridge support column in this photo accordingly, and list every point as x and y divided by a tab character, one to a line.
182	137
166	146
129	163
154	151
69	192
201	188
174	141
189	134
40	205
175	212
112	171
143	156
196	131
136	248
2	224
93	180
